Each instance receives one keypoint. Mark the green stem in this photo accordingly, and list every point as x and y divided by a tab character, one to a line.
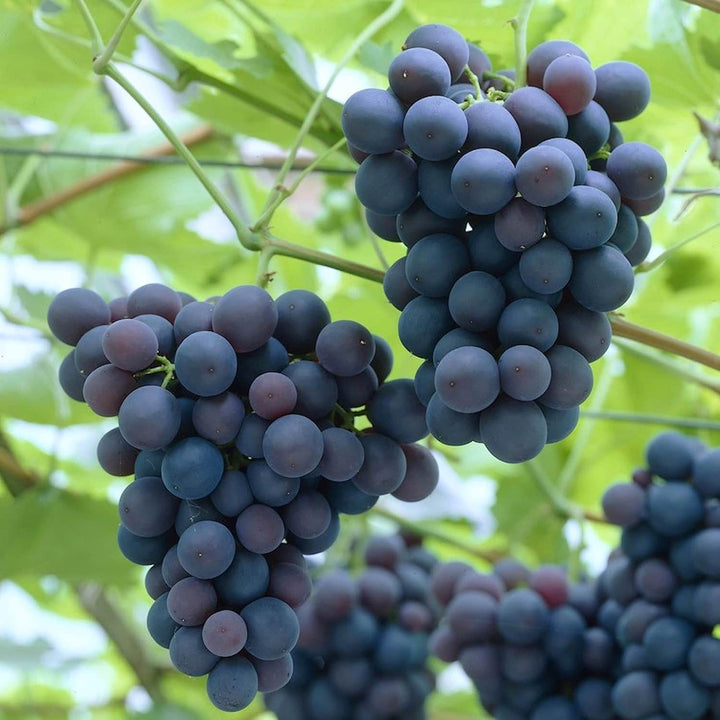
379	22
475	82
102	60
281	192
316	257
95	36
509	83
244	235
647	266
263	273
422	529
520	24
650	419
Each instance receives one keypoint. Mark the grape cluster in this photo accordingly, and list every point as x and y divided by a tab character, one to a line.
515	249
663	586
237	418
363	641
532	644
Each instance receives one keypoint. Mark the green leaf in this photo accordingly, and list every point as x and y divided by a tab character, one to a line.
54	532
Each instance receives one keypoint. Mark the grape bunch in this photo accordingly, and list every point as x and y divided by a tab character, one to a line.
515	248
663	586
240	419
531	642
363	643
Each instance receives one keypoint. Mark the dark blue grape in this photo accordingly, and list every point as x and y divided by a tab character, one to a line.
560	423
486	251
467	379
418	72
476	301
372	120
575	154
682	697
704	660
154	299
435	263
88	353
421	477
449	426
590	128
345	348
384	466
641	248
272	628
491	126
435	128
384	226
543	54
194	317
246	317
544	175
205	363
146	508
418	221
636	695
144	550
75	311
387	184
623	89
528	322
435	188
424	382
301	317
317	391
538	116
246	579
522	617
674	509
519	225
218	418
192	468
357	390
396	287
159	623
293	445
483	181
546	267
206	549
260	529
445	41
191	601
638	170
524	372
602	279
395	411
232	684
72	381
270	357
571	381
585	219
423	322
513	431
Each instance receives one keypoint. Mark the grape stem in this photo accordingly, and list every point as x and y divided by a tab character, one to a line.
475	82
652	338
649	419
281	193
507	82
102	60
520	24
423	530
713	5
